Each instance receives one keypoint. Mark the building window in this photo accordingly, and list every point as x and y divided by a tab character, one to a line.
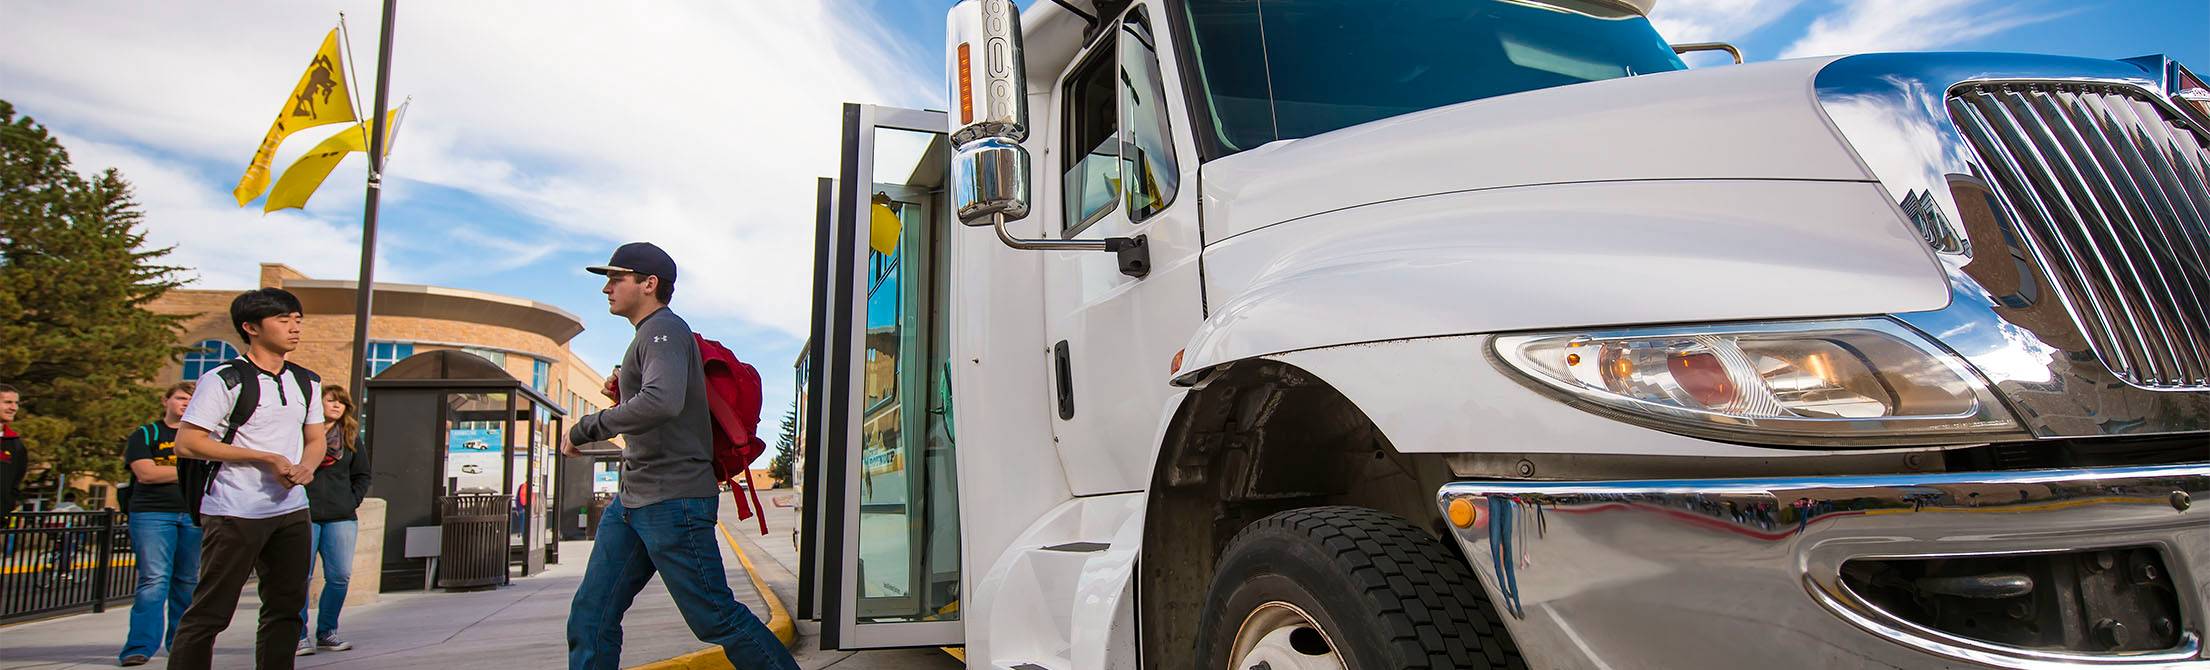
540	372
205	356
497	358
382	354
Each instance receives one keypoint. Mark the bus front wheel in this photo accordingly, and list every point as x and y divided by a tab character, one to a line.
1347	588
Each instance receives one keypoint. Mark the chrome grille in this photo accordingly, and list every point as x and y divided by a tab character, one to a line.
2113	195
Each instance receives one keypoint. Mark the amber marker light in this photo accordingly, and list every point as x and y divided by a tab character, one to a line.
966	88
1618	368
1462	513
1176	366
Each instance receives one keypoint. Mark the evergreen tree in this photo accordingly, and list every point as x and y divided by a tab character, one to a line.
75	336
786	448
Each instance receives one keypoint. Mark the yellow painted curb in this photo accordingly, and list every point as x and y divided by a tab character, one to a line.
778	620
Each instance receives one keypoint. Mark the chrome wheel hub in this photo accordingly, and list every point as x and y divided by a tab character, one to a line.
1280	636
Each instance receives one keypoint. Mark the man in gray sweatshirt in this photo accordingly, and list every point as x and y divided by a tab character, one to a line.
663	520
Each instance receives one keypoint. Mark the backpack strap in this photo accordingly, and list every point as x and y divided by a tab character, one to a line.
197	476
238	374
306	379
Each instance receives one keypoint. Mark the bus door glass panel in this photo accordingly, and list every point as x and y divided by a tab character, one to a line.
894	578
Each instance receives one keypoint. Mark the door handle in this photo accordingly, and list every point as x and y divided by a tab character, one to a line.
1063	368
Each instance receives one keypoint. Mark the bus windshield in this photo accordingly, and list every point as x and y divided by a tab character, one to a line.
1280	69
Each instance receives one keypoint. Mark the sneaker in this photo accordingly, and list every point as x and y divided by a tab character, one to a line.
332	643
306	648
132	660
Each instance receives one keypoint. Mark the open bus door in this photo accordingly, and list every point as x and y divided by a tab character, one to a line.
881	548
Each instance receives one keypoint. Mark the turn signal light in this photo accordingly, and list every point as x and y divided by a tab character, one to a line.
1462	513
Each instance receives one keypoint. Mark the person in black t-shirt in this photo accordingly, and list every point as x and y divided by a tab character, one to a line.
161	531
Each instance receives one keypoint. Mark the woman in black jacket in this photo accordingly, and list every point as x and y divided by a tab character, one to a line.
332	496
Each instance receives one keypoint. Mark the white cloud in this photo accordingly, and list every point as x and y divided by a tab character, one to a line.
697	125
209	233
503	254
1907	25
1716	20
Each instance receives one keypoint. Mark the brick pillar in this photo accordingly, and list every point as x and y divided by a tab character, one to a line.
274	274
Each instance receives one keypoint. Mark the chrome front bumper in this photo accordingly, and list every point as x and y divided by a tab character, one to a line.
1723	574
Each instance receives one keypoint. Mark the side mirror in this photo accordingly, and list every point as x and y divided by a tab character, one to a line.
990	177
989	89
988	85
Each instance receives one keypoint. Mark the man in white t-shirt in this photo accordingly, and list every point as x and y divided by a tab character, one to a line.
253	512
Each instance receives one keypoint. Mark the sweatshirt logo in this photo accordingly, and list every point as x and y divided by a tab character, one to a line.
659	338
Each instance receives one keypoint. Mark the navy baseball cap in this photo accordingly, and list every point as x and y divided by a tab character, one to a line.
639	257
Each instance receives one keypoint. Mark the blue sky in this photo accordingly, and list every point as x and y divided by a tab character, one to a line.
544	134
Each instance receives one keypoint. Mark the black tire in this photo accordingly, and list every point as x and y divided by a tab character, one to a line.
1384	593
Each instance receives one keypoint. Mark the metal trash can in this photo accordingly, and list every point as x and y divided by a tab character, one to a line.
597	511
474	548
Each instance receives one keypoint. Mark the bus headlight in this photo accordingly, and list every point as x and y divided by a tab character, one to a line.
1859	382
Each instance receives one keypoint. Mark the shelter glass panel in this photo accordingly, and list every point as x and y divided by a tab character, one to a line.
475	443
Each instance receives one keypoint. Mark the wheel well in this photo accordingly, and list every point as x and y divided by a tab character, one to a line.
1255	438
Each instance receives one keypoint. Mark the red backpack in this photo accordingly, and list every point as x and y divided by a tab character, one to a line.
733	398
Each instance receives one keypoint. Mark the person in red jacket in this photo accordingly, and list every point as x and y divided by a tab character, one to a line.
663	521
14	459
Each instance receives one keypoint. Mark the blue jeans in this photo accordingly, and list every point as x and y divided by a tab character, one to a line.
334	549
676	539
168	549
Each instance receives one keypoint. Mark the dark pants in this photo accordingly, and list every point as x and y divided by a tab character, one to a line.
232	549
676	539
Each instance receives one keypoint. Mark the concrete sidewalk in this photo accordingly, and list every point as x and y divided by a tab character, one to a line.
523	625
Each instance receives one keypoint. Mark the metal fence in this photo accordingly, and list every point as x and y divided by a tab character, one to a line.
60	562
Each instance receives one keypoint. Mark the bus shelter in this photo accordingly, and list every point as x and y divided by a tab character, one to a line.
449	423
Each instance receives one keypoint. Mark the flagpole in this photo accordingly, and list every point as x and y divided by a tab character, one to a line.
366	288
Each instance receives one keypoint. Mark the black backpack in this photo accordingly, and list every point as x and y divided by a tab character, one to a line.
197	476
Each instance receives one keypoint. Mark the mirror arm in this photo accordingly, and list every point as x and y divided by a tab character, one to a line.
1134	252
1709	46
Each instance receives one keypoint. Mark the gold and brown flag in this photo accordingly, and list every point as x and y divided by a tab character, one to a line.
321	98
299	181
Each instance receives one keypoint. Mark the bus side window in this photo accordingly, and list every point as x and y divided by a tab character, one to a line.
1092	176
1148	167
